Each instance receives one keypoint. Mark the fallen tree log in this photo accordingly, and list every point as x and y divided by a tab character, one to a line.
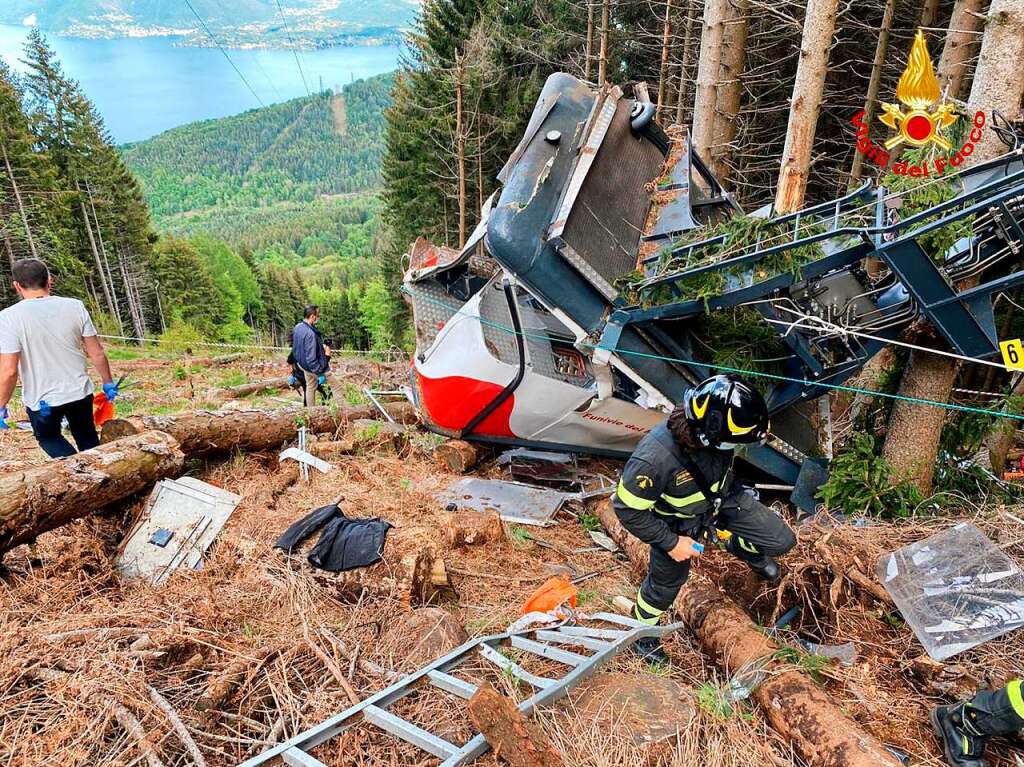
200	432
244	390
516	739
44	497
798	709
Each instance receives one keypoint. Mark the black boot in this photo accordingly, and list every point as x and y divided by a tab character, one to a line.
962	744
650	649
763	565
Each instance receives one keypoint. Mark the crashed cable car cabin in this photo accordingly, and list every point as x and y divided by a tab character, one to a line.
577	324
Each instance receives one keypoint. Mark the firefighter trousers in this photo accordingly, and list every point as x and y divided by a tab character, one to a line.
756	532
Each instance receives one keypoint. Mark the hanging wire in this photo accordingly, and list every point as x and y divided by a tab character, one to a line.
221	47
291	42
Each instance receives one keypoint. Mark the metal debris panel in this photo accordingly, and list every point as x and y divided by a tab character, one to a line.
514	501
956	589
191	512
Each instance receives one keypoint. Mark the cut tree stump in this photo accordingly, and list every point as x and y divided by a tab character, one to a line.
516	740
41	498
798	709
201	432
244	390
467	527
411	571
457	455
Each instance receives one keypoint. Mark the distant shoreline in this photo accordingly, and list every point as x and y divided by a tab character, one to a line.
271	38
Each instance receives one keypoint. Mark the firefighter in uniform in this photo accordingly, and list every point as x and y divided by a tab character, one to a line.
964	728
677	488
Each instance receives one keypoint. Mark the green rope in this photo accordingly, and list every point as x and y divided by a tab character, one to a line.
727	369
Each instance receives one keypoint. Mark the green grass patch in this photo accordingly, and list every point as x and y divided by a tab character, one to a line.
118	353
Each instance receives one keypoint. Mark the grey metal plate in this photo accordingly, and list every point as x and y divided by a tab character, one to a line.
514	502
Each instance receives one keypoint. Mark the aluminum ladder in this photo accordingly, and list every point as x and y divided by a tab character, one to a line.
547	643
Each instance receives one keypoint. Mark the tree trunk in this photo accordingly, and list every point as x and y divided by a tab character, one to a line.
929	13
730	91
244	390
874	83
912	440
201	432
684	63
44	497
589	55
795	706
103	254
912	443
602	62
457	455
819	26
99	264
21	204
460	148
666	38
706	88
999	77
961	40
515	738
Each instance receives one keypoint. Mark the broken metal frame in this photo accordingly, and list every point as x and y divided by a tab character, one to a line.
606	643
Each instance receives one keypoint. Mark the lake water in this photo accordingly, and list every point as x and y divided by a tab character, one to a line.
143	86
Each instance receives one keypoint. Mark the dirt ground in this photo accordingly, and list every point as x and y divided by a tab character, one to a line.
95	669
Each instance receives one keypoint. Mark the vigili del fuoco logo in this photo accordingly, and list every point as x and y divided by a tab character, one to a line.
917	123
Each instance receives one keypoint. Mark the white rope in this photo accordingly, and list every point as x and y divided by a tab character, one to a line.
843	331
389	353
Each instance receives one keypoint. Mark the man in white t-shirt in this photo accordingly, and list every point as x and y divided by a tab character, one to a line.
45	340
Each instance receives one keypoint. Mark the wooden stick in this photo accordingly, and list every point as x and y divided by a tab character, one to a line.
179	726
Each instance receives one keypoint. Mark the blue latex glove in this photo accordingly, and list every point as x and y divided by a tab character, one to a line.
4	415
322	379
44	409
110	389
292	380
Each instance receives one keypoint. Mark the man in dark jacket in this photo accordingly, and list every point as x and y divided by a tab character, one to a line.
310	355
677	488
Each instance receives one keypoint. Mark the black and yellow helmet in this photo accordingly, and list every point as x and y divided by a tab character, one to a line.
725	411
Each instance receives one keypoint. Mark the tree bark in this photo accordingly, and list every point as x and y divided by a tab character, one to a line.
457	455
666	39
44	497
516	739
999	77
961	41
912	444
929	13
589	54
874	83
201	432
912	439
708	67
684	63
819	26
797	709
460	147
21	204
730	91
99	264
602	62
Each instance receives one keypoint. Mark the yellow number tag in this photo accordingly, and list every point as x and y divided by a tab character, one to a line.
1013	354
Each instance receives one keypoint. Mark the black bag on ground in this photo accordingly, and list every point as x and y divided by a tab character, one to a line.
345	544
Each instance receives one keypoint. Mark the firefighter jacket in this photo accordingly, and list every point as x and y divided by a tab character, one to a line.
657	494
